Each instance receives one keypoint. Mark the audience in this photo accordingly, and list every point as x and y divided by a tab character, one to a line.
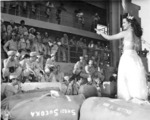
32	55
35	54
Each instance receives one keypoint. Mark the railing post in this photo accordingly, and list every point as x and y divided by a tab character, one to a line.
68	53
7	7
19	9
28	12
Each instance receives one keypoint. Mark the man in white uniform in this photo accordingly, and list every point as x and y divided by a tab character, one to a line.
11	66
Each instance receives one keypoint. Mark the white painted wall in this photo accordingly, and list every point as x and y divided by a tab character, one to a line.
145	20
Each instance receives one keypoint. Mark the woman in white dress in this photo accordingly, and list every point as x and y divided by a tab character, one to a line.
132	83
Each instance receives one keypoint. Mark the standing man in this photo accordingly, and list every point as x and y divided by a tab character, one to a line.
11	45
22	28
64	46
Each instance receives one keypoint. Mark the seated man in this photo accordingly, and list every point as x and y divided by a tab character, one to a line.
40	66
51	74
79	66
31	68
10	89
59	74
50	63
90	70
79	70
94	73
11	66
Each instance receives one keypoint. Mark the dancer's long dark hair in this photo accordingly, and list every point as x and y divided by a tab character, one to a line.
134	24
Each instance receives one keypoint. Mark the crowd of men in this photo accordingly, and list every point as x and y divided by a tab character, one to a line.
19	70
32	58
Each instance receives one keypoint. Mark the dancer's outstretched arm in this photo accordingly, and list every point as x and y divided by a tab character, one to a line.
111	37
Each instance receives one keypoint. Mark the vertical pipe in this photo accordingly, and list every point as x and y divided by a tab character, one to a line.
114	22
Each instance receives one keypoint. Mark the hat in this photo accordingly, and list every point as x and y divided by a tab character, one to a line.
66	78
52	55
47	70
50	44
38	56
11	53
18	54
81	57
25	33
90	62
93	58
13	33
51	66
31	29
59	43
86	56
32	54
38	33
12	77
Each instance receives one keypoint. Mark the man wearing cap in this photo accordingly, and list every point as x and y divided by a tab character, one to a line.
9	89
31	66
11	44
50	63
31	34
11	66
18	56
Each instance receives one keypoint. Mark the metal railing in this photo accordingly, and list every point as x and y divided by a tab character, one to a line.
67	18
72	54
